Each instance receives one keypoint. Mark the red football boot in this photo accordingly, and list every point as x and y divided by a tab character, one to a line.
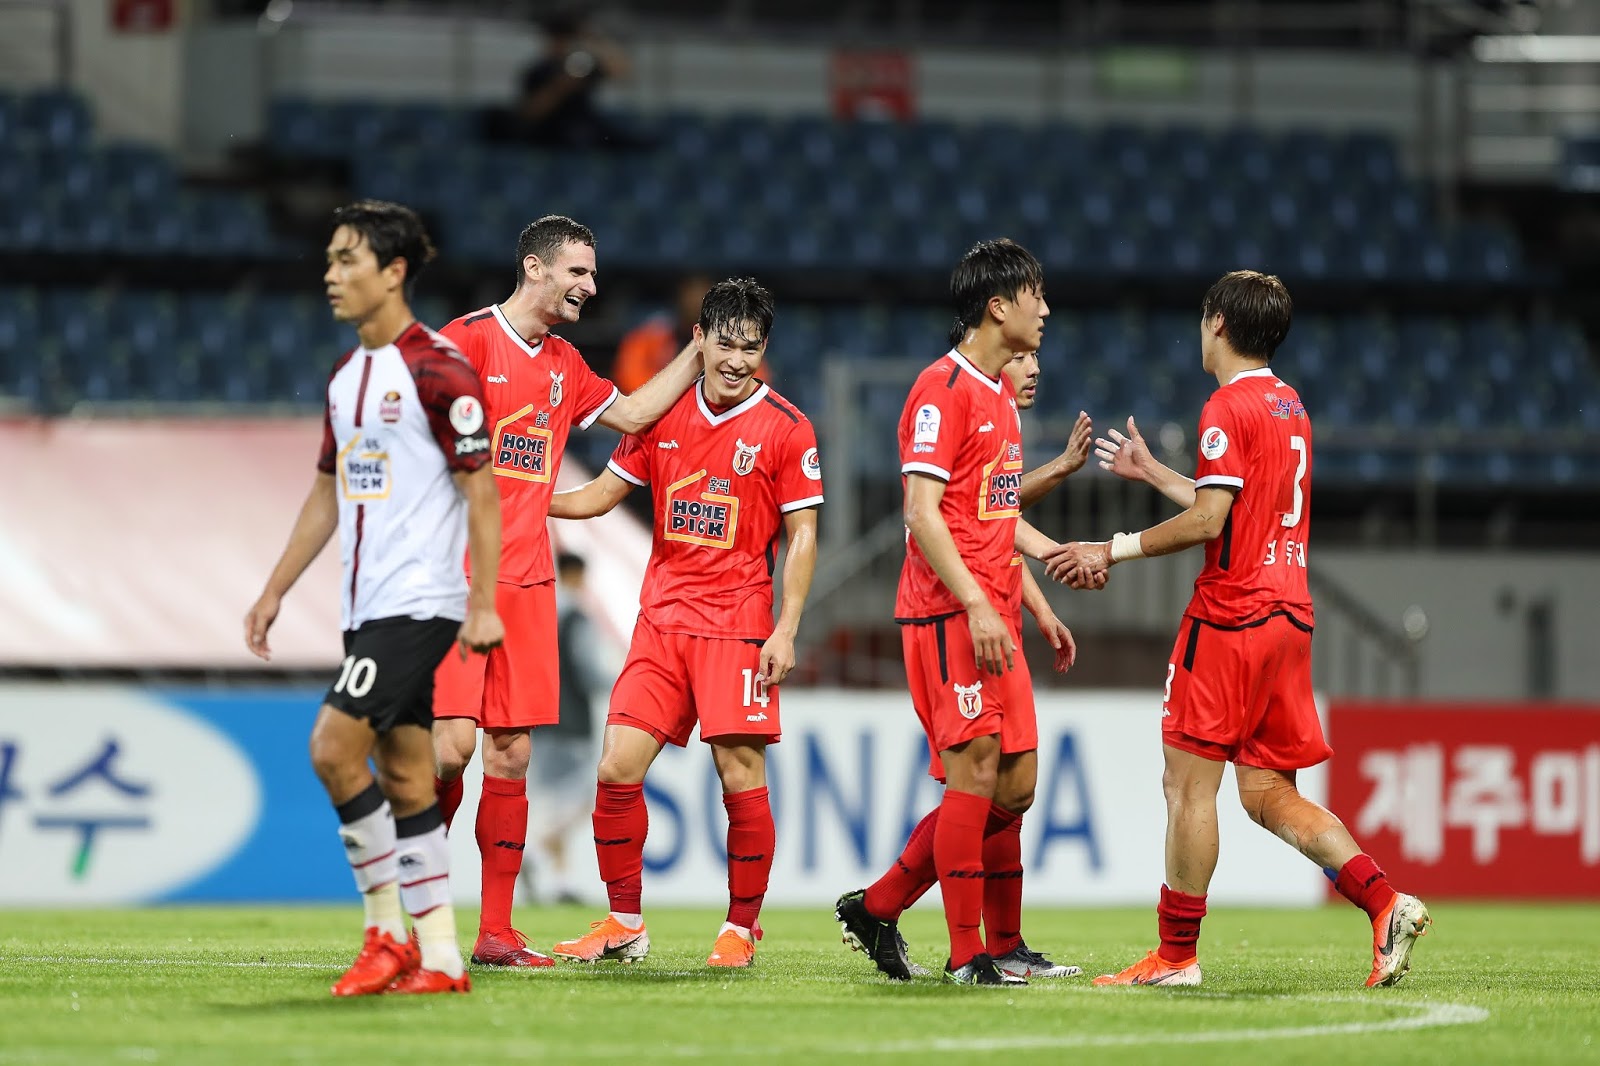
382	960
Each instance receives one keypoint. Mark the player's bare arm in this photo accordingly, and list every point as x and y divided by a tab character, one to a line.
1201	522
319	518
591	499
1042	480
777	654
643	408
1054	630
482	629
1129	457
991	640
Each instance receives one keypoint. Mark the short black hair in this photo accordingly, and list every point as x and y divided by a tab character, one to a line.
393	231
570	562
733	301
546	236
1000	267
1256	311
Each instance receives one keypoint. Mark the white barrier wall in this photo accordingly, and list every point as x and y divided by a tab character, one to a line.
849	781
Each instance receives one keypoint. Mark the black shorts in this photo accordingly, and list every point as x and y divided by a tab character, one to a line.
387	673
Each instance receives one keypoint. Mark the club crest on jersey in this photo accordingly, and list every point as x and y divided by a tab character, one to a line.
555	387
389	407
744	457
1213	442
969	699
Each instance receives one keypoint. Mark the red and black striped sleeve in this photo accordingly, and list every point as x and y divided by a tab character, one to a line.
452	396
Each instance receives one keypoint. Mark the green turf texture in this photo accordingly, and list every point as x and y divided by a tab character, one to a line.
250	985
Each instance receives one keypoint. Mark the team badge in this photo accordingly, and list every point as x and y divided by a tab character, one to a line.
744	457
389	407
466	415
555	388
810	465
969	699
1213	442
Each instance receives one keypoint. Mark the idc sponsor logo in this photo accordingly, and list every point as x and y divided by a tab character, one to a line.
109	796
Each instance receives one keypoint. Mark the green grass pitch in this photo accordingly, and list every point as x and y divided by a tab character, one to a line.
250	985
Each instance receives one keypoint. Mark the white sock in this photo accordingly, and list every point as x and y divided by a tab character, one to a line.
632	921
383	910
436	932
741	930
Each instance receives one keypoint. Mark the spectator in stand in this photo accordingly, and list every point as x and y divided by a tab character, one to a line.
651	344
556	104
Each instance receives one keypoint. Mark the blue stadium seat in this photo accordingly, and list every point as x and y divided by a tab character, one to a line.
60	119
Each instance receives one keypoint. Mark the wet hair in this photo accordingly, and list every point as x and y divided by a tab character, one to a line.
544	237
1256	311
393	231
733	301
999	267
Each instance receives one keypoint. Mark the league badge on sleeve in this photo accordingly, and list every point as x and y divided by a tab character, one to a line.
810	465
466	415
1213	442
744	457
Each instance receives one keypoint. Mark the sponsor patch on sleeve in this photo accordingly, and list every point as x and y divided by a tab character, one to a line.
927	428
1213	442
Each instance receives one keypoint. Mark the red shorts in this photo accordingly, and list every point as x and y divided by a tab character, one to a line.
1244	695
517	685
954	701
673	680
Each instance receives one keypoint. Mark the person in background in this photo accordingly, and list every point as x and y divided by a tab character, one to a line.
556	103
651	344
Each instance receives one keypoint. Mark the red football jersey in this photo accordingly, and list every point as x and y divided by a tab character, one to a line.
1255	437
961	426
535	395
723	483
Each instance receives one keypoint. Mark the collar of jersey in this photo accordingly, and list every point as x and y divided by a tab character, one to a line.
733	412
1258	372
505	324
966	364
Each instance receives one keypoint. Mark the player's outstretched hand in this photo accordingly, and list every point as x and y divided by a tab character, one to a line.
777	658
1077	563
1077	450
481	632
257	621
1060	637
992	646
1125	457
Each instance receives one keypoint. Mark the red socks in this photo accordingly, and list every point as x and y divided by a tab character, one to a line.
620	823
958	858
751	838
502	835
1002	881
449	794
1178	917
1361	882
912	874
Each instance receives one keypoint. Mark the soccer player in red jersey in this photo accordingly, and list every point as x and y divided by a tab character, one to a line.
869	917
404	478
1238	685
731	464
537	388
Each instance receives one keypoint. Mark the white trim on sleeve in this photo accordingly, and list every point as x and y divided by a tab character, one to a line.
598	411
611	465
1219	479
925	468
798	505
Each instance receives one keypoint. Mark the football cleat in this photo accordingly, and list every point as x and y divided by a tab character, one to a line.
1022	961
382	959
905	951
421	982
1394	934
732	950
1154	970
507	948
607	939
981	970
878	938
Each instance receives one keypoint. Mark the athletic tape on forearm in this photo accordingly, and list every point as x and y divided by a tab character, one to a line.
1125	546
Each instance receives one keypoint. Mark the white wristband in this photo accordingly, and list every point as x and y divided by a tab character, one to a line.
1125	546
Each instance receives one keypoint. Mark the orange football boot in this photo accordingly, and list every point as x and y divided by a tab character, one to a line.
1154	970
607	939
732	950
1394	934
382	959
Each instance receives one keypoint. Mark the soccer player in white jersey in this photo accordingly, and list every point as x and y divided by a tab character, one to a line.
404	477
